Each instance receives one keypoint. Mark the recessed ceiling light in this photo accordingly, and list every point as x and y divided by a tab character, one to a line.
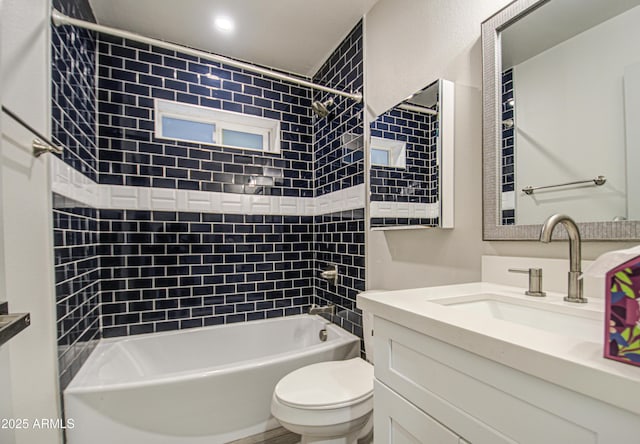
224	24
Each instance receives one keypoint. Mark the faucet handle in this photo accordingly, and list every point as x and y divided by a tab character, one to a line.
535	280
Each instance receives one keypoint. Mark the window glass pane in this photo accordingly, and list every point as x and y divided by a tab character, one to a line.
379	157
188	130
242	139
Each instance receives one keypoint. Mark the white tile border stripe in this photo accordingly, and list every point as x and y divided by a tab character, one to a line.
69	183
404	210
508	200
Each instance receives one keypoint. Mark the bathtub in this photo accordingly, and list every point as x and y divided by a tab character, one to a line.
206	385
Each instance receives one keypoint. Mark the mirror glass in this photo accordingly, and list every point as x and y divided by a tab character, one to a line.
410	153
570	107
561	95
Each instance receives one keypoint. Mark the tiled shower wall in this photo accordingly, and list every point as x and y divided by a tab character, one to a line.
336	167
73	90
75	227
339	164
132	75
339	239
164	270
77	284
172	269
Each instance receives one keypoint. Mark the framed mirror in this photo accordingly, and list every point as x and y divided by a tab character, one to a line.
561	103
411	162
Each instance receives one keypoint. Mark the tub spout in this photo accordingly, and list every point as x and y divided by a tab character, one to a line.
575	255
327	309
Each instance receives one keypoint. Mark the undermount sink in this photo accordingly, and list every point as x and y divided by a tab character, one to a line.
560	319
545	337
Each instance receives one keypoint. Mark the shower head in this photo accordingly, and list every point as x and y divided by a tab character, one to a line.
322	109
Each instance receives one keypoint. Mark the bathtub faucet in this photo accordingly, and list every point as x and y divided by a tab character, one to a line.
330	274
327	309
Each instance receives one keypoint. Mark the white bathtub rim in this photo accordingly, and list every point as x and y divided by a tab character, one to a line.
215	327
188	375
344	337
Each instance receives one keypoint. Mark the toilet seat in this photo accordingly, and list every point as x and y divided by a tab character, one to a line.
329	402
327	385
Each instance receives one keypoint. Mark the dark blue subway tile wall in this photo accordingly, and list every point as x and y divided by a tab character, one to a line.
73	92
75	233
73	125
339	240
132	75
418	181
392	221
338	166
148	271
168	271
508	143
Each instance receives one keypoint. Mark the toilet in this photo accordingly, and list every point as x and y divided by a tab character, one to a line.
329	402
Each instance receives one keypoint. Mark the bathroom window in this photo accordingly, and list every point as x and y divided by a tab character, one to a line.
190	123
191	130
387	152
379	156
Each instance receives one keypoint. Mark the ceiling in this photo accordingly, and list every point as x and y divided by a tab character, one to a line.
291	35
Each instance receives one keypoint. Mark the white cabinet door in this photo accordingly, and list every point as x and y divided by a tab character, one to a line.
396	421
489	403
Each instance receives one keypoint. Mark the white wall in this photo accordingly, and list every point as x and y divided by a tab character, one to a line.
632	117
408	44
6	397
27	234
569	111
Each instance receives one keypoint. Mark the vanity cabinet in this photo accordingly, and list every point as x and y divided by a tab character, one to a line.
397	421
429	391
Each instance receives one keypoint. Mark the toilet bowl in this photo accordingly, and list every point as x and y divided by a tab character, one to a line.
329	402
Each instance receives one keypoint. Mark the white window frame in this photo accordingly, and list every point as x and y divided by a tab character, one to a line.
397	151
269	129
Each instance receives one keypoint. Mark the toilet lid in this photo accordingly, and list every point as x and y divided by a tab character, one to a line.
329	384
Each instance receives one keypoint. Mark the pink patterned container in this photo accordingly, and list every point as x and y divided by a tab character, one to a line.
622	330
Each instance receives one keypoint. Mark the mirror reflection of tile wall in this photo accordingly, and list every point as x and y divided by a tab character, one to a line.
508	145
416	182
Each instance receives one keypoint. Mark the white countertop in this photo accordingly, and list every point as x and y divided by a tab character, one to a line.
569	361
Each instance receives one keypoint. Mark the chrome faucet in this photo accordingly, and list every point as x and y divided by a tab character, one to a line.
575	255
330	274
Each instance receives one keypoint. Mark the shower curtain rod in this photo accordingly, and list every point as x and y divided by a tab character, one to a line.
418	109
59	19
